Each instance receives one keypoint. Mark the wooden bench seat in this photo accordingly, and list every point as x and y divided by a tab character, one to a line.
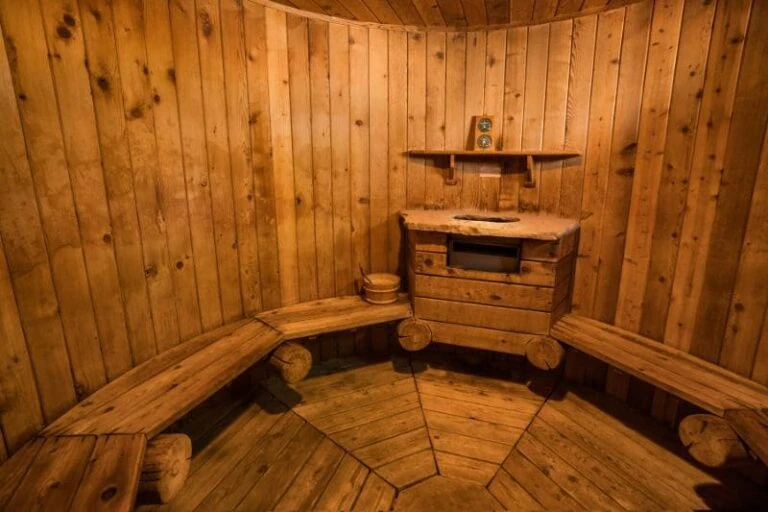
73	473
152	396
335	314
736	402
92	456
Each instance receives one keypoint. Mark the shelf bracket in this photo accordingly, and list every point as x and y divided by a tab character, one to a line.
528	182
451	178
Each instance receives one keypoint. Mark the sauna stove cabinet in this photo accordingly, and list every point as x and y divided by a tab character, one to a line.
492	280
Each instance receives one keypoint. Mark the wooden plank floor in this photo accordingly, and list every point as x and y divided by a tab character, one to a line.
376	435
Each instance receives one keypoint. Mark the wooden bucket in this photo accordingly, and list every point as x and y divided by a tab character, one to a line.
381	288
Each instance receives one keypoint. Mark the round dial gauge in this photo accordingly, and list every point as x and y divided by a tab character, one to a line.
484	141
485	124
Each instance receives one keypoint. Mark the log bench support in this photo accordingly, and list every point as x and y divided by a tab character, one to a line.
736	423
712	441
166	467
292	360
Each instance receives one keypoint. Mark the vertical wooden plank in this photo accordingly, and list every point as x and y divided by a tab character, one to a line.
20	415
657	91
101	52
727	41
359	158
558	66
171	167
338	44
613	225
217	145
137	101
261	155
379	163
474	105
683	123
514	103
597	154
455	137
321	156
742	156
490	172
236	83
577	114
301	126
634	49
750	295
398	142
533	112
32	80
435	117
81	148
282	154
417	90
185	74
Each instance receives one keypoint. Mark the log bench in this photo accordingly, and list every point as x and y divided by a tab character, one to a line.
108	447
735	422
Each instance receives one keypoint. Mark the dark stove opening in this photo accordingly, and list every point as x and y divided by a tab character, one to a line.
484	254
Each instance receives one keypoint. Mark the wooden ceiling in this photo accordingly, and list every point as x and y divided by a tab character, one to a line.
454	13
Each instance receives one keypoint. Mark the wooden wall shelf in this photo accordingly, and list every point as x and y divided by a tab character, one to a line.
503	156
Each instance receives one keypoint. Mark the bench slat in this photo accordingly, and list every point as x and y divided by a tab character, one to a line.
139	375
14	469
334	314
712	389
54	475
111	479
157	402
697	372
746	390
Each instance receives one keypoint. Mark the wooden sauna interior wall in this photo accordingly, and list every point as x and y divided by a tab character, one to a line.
170	166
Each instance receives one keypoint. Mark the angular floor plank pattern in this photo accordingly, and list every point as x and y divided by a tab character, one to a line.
428	434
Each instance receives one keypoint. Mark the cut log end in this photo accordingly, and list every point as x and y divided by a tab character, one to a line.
414	335
711	441
293	361
166	467
545	353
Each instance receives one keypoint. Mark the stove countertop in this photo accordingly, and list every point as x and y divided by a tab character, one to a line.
503	224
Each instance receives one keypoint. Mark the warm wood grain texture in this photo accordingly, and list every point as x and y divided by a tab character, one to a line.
453	13
699	382
142	201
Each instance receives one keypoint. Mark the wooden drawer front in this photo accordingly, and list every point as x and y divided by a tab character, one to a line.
535	273
539	298
428	241
491	317
479	337
549	251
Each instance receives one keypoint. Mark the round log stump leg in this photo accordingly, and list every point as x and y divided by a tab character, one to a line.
292	360
544	352
711	441
414	335
166	467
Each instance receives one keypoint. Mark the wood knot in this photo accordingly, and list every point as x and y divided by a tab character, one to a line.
68	19
63	32
103	83
108	493
205	24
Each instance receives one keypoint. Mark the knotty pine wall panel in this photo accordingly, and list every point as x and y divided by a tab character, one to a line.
170	166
